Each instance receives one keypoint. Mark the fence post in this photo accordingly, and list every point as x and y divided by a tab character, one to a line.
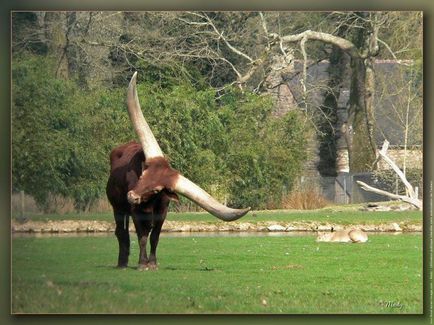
345	190
22	204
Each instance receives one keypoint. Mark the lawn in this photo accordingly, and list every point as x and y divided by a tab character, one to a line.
344	215
253	274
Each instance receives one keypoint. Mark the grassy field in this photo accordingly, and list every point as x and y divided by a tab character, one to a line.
219	275
344	215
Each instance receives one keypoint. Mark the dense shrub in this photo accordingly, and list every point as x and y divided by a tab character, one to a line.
264	152
62	136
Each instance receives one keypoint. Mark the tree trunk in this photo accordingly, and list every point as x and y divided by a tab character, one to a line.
55	32
362	152
275	85
328	138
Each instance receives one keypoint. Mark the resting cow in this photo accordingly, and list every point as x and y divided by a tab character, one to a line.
142	184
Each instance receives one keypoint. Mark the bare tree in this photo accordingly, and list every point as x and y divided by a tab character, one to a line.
362	52
402	94
411	197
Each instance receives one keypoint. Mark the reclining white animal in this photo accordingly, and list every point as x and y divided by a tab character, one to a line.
343	236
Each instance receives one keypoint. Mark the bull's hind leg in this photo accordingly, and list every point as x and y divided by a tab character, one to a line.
123	237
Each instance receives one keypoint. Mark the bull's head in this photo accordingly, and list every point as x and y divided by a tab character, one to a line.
157	175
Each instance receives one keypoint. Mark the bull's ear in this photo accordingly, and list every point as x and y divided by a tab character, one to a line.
173	196
144	167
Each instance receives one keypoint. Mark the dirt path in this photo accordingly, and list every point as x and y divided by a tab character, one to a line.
68	226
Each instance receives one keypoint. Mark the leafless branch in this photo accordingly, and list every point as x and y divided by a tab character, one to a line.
340	42
220	34
411	198
303	51
416	202
264	27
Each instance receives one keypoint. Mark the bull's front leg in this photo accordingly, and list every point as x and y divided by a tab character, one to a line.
123	236
142	222
155	235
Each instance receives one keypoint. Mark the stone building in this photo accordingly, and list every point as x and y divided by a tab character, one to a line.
391	103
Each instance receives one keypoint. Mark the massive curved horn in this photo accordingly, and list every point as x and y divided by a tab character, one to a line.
193	192
182	185
146	137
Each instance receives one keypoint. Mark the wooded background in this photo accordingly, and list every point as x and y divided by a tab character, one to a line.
214	89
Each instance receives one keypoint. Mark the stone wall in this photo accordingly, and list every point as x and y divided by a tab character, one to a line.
414	158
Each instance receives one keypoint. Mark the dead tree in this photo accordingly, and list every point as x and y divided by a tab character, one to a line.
412	196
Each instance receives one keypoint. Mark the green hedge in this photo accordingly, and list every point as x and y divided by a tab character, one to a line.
232	146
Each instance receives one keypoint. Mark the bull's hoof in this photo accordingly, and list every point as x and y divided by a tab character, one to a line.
147	267
153	266
143	267
122	267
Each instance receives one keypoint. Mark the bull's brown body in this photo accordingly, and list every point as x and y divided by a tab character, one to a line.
148	217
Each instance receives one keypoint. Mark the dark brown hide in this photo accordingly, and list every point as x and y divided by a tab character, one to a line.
126	174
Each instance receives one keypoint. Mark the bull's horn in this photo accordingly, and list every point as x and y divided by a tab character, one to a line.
147	139
193	192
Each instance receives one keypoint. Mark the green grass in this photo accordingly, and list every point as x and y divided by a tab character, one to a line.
340	215
219	275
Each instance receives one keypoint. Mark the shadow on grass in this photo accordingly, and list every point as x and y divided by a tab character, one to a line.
115	267
165	268
202	268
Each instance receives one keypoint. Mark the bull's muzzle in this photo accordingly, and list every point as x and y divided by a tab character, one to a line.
133	197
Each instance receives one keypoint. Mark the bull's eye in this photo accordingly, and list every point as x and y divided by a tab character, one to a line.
144	166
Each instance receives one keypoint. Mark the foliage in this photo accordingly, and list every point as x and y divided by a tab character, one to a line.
62	136
264	153
403	32
235	148
255	274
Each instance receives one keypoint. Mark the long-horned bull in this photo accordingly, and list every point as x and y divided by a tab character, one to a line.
142	184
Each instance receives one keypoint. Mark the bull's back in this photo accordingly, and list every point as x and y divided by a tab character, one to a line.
123	155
